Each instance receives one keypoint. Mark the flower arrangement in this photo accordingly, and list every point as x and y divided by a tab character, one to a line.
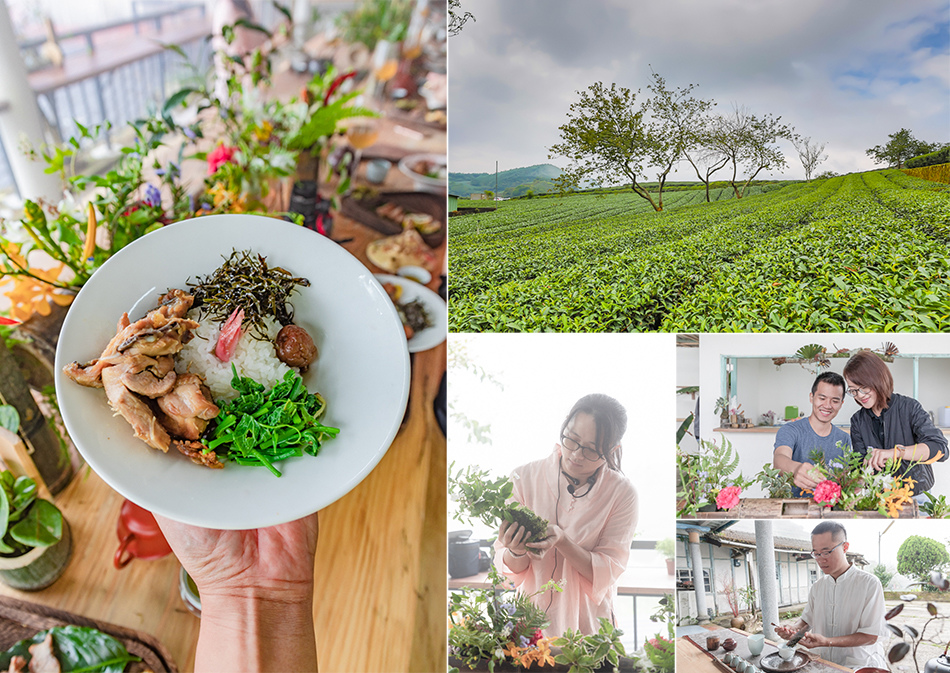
850	484
498	626
659	650
705	478
777	483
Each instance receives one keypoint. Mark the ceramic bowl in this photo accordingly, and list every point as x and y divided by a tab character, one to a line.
786	653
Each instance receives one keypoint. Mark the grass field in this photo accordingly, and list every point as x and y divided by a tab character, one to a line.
861	252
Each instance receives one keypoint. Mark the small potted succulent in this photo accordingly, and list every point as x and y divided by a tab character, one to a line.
35	542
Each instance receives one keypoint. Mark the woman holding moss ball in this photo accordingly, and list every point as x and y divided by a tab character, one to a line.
592	513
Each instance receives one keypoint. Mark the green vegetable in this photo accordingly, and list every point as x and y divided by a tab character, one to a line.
258	428
78	649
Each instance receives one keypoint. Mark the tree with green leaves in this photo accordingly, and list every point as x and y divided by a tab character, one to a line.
918	556
606	139
676	118
882	573
901	147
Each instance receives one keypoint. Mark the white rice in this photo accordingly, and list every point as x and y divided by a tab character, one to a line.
253	358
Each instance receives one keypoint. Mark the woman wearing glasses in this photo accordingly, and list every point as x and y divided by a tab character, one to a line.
591	510
889	425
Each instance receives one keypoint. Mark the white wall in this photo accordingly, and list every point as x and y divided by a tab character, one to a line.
687	374
762	386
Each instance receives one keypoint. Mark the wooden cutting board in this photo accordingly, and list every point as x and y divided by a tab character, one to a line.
20	620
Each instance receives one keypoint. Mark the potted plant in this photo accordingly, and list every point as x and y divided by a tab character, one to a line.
731	594
777	483
667	547
488	501
35	542
497	626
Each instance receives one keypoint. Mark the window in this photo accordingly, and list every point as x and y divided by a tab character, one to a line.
686	575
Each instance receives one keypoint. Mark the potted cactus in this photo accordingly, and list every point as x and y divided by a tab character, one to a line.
35	542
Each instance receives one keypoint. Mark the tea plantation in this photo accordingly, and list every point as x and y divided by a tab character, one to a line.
860	252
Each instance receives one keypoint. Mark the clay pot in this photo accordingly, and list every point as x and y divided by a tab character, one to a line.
729	644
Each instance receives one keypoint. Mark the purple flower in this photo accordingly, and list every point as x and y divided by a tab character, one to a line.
153	196
190	133
508	607
524	641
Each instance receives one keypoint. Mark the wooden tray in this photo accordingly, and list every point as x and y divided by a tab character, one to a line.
364	212
20	620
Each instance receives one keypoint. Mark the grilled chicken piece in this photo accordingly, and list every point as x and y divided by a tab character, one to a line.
44	661
124	402
89	373
151	377
166	338
194	451
187	408
175	303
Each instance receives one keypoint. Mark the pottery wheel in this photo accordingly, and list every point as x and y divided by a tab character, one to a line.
774	664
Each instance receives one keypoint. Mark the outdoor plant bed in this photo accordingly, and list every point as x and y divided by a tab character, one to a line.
797	508
625	664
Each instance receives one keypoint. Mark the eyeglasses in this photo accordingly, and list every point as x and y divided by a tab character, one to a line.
572	445
824	554
854	392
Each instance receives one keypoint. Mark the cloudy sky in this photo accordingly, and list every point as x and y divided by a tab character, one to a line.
847	72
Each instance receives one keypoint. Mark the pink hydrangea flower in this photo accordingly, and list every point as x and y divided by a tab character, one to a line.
728	497
827	493
221	154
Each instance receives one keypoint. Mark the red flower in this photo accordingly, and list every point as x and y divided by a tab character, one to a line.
221	154
827	493
728	497
536	637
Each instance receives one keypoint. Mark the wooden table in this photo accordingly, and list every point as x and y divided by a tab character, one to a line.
695	659
380	565
380	599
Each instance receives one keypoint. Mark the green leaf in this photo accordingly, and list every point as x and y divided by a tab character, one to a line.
4	515
42	526
9	418
78	650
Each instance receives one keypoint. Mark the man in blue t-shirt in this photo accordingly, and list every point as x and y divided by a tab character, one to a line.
795	441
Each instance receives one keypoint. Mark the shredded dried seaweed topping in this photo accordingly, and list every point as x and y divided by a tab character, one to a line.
245	281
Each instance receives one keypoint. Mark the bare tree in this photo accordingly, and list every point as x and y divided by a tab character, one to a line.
749	142
810	154
457	17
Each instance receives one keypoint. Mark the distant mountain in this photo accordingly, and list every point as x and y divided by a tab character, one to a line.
513	182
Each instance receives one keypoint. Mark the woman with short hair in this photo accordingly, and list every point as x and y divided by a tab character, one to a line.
889	425
591	508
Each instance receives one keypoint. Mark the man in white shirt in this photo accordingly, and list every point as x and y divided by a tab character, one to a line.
845	607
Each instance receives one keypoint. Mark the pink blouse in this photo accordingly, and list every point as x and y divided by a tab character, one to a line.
602	522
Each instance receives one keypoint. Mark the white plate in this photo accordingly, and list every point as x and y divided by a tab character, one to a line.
362	370
430	337
423	183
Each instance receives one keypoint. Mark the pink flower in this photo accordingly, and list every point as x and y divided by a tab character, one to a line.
827	493
221	154
728	497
